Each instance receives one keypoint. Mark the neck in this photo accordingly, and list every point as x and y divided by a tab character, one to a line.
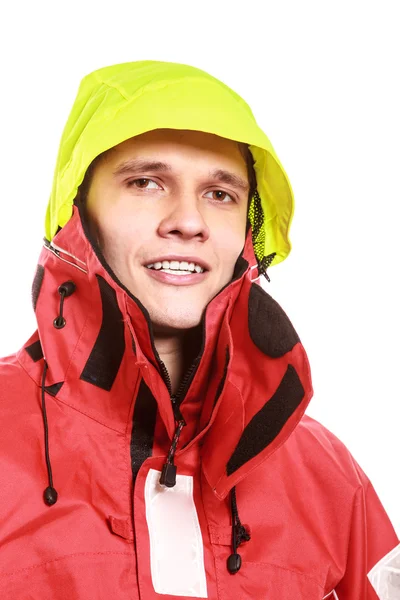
177	350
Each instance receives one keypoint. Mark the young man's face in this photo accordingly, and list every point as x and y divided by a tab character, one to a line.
179	217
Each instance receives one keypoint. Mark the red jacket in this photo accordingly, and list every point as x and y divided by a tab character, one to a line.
252	470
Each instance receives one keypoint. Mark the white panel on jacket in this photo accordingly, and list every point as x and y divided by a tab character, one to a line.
385	576
176	544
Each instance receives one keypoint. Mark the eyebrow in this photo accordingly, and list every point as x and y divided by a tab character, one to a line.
139	164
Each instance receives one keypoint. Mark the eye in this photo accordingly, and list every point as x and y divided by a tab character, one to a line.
224	198
141	183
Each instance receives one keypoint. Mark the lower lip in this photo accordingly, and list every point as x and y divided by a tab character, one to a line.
177	279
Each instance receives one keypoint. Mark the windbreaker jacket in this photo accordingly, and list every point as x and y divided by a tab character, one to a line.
111	488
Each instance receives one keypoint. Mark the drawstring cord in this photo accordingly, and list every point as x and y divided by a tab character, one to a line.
66	289
239	535
50	494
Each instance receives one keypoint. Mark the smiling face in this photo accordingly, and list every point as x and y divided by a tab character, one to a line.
169	210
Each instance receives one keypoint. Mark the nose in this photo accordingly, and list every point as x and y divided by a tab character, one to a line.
184	220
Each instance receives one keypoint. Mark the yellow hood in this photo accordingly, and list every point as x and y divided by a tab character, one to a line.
121	101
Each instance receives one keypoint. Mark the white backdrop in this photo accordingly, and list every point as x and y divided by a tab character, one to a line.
322	79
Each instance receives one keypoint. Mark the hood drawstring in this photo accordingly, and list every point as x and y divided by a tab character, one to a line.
50	494
66	289
239	535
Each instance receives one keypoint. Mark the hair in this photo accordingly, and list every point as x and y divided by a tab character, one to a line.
84	187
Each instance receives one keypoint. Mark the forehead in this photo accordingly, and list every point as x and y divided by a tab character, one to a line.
204	145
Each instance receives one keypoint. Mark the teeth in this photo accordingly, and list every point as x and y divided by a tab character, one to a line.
175	272
176	266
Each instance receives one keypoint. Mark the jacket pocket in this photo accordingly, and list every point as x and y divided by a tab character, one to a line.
82	576
258	580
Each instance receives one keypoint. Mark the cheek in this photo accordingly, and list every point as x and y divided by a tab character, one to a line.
229	243
127	238
120	222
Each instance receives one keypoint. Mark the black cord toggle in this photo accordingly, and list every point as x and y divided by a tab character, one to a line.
239	535
65	289
50	496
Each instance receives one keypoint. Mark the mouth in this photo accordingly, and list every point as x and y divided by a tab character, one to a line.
176	271
176	267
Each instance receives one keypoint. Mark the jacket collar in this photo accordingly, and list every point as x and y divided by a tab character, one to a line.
251	386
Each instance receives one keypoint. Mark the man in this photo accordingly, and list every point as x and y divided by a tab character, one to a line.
154	439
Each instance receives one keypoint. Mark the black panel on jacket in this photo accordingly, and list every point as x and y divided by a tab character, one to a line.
268	422
105	359
37	284
54	388
144	422
269	327
35	351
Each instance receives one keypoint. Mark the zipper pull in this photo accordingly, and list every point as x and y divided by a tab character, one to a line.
168	473
177	411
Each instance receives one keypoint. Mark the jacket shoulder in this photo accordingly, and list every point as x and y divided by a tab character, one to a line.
15	384
322	449
9	368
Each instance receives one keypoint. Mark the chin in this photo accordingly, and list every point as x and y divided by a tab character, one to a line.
180	321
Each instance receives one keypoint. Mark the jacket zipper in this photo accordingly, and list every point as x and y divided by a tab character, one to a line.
183	387
168	474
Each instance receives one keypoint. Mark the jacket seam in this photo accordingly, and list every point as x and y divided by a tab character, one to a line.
269	564
241	399
256	466
49	562
128	461
59	399
213	552
27	372
356	503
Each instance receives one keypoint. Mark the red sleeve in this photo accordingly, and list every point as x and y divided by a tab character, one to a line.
373	558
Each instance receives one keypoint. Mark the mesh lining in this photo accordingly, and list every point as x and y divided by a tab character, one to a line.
256	217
